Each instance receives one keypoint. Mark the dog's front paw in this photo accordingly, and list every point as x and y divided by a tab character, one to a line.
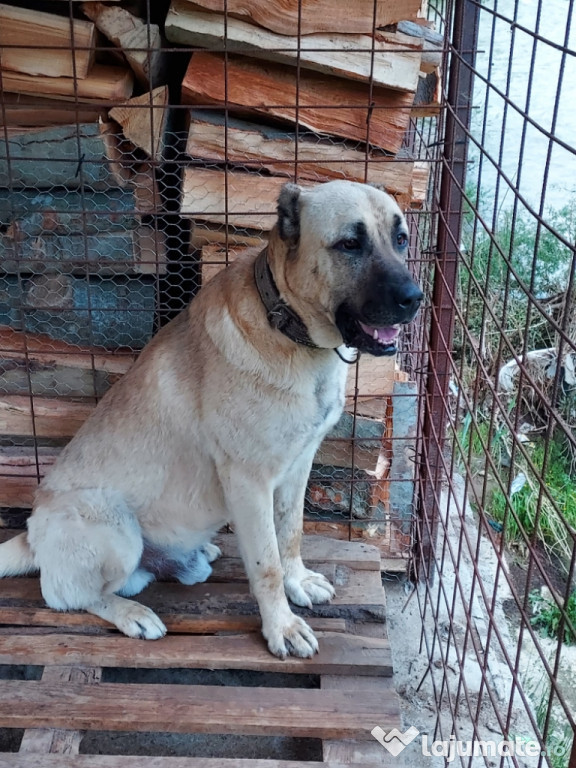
140	622
308	588
291	637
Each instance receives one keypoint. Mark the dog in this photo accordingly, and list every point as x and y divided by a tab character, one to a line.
218	421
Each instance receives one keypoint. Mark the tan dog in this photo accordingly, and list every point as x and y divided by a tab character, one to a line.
219	420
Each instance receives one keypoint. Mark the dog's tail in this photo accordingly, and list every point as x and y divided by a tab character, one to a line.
16	558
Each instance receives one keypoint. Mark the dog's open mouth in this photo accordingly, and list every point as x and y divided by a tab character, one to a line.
373	340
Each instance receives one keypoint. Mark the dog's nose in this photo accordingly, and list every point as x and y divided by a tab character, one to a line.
408	296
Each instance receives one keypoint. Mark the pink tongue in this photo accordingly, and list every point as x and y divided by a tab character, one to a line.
385	335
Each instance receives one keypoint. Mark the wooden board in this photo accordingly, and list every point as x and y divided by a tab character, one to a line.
325	104
103	83
21	110
388	59
60	305
73	156
234	197
316	15
214	139
47	44
140	250
143	120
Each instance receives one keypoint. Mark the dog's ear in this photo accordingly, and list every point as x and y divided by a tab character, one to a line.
289	214
379	187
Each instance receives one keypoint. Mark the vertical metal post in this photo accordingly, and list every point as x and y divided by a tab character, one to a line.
453	179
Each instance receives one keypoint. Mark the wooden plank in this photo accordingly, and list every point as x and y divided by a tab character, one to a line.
352	751
309	16
139	41
123	252
241	199
72	155
356	555
387	59
222	235
22	110
196	709
433	43
359	603
20	472
28	213
339	653
49	45
142	761
256	146
59	741
116	312
143	120
103	83
325	104
42	349
176	623
52	417
48	372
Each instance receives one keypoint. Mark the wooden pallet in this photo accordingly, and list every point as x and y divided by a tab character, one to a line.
212	626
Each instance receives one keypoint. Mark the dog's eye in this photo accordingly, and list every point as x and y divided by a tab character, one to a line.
349	244
402	240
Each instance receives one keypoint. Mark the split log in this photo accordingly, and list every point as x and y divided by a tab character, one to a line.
255	146
38	365
240	199
428	99
52	46
21	469
369	386
51	417
220	237
384	59
21	110
103	83
420	183
355	442
318	16
115	252
143	120
216	257
68	155
25	213
108	313
432	43
326	104
140	42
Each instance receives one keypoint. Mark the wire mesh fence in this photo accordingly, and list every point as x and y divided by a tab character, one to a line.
495	532
142	150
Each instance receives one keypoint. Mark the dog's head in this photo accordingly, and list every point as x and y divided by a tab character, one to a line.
344	262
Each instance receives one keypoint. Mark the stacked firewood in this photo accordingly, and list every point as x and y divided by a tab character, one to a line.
77	177
313	93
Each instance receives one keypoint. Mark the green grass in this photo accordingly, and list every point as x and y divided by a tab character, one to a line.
548	617
531	511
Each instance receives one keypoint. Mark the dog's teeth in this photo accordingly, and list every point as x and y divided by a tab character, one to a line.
375	334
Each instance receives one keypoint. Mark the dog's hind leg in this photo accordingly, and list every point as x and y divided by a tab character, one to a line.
88	544
16	558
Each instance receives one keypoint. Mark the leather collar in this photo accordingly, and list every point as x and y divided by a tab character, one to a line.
280	315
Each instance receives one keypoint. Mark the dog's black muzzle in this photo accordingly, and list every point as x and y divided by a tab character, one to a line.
371	321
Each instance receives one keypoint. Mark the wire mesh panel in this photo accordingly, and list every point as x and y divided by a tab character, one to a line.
496	531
